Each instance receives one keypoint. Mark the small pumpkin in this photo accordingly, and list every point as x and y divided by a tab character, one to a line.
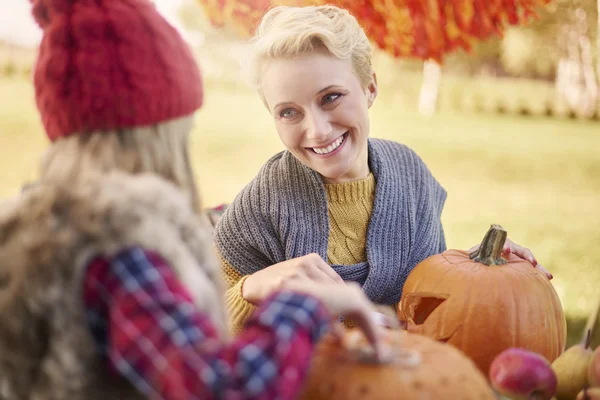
420	368
484	304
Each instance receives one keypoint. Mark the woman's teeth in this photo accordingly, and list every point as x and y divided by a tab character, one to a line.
331	147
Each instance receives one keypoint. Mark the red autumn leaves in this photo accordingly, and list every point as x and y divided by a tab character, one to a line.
425	29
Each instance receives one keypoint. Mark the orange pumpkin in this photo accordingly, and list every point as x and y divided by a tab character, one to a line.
484	304
421	368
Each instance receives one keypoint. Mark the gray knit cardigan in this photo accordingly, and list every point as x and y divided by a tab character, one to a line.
282	214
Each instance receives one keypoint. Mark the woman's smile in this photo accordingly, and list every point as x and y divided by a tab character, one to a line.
332	148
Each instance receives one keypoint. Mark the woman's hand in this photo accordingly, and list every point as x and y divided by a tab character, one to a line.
520	251
310	268
348	300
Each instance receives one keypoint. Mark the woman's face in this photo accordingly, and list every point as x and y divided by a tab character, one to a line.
321	109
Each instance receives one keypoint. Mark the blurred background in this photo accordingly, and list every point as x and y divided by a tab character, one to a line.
510	128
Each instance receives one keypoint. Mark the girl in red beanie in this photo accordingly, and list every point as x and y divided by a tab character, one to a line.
108	285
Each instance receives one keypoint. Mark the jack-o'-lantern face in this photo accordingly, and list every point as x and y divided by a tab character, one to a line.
483	309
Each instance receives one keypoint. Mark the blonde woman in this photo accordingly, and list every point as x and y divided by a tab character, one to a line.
108	285
335	206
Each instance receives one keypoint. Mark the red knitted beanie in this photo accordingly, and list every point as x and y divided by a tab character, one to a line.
109	64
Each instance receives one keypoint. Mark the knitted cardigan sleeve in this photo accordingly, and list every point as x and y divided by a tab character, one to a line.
430	204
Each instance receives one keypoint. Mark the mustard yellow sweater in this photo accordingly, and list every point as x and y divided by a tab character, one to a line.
350	205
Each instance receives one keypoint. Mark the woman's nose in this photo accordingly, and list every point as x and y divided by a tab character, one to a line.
318	127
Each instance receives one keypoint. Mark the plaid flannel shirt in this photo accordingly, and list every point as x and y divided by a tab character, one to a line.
149	331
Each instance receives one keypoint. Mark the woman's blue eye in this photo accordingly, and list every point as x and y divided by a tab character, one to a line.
330	98
287	113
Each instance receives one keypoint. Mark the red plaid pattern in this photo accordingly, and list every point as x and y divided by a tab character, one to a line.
149	331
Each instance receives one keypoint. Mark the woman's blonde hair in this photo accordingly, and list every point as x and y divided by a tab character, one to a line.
161	149
288	31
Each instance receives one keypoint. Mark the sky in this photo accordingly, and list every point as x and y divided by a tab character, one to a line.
17	24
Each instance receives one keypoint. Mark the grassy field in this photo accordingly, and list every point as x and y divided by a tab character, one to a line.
538	177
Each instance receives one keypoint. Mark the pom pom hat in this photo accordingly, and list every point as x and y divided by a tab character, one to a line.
109	64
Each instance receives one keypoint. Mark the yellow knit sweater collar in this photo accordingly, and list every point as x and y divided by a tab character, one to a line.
349	192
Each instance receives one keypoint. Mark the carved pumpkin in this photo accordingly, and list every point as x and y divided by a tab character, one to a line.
484	304
421	368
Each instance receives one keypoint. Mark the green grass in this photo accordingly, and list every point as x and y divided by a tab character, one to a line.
538	177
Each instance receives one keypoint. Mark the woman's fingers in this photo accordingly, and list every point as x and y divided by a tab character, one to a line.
544	270
326	268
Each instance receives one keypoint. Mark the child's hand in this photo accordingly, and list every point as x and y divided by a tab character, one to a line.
348	300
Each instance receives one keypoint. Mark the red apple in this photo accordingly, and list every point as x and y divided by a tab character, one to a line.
594	369
520	374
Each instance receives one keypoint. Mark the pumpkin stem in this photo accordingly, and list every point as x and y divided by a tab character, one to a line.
592	321
586	396
587	339
489	251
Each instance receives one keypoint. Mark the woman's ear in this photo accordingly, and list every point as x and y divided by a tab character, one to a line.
372	90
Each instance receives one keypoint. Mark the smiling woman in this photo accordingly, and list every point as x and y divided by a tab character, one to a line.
312	68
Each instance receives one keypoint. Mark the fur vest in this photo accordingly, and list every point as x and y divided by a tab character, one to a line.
48	234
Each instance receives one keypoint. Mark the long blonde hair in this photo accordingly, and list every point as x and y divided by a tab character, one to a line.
161	149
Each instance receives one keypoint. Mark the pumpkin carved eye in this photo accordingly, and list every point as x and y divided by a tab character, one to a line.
421	305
